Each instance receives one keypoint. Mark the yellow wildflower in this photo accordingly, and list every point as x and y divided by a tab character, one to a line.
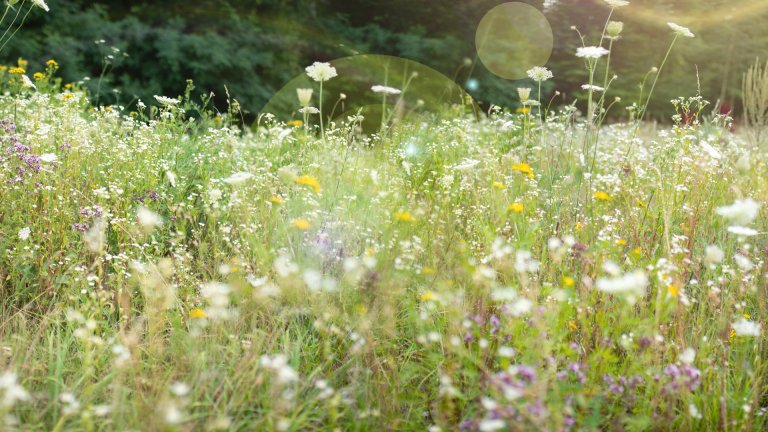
516	207
68	86
296	123
673	290
197	313
746	315
276	199
523	168
404	217
427	270
308	180
523	110
67	96
579	226
568	281
602	196
427	296
17	71
301	224
22	63
497	185
38	76
52	64
621	242
572	325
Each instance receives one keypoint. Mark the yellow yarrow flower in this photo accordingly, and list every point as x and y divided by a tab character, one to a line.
602	196
427	296
310	181
301	224
523	168
404	217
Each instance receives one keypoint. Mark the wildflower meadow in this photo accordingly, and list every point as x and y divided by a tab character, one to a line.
417	261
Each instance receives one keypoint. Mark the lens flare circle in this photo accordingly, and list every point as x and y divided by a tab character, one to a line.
512	38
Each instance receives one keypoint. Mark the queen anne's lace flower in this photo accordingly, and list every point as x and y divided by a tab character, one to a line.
591	52
680	30
320	71
539	74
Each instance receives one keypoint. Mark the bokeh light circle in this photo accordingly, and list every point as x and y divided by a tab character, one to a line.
512	38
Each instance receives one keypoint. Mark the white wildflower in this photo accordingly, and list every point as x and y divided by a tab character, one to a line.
385	90
304	95
24	233
745	327
41	4
617	3
148	218
631	285
741	212
713	255
539	74
48	157
321	71
680	30
238	178
687	356
167	101
591	52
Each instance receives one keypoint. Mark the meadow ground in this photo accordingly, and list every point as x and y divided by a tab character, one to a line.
169	270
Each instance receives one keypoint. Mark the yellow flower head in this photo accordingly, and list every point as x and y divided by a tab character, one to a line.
516	207
296	123
404	217
673	290
22	63
568	281
427	296
301	224
17	70
523	168
523	110
52	64
602	196
197	313
310	181
276	199
38	76
497	185
621	242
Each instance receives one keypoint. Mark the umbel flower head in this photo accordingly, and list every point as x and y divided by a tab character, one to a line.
321	71
680	30
591	52
385	90
539	74
617	3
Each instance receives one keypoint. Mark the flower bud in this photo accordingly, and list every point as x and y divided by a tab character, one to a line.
614	29
524	93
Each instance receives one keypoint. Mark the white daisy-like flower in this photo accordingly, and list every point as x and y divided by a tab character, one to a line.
539	74
680	30
48	157
591	52
321	71
166	100
617	3
592	87
385	90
